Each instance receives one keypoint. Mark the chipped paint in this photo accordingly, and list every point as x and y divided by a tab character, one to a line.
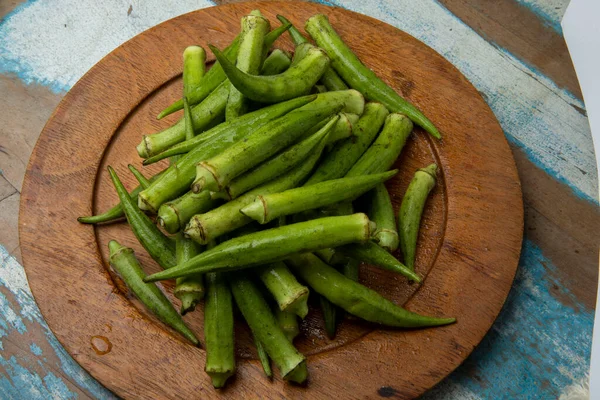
543	120
537	345
54	42
19	316
547	123
537	337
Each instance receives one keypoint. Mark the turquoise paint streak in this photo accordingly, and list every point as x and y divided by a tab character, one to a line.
22	70
19	378
536	116
537	346
35	349
546	122
549	11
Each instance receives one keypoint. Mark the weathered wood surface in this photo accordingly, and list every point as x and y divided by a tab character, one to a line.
560	219
468	254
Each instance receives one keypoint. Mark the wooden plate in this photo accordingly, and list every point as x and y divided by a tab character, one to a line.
469	244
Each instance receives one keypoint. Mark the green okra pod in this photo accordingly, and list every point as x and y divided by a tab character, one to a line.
160	247
351	269
275	244
127	266
343	128
358	76
330	78
223	132
205	115
326	255
295	81
379	157
411	209
297	37
218	330
194	67
265	208
381	211
277	62
116	211
384	151
249	60
188	121
142	180
330	316
345	153
355	298
177	178
213	78
320	89
264	359
226	218
174	215
288	323
189	290
215	173
290	295
263	325
279	164
371	253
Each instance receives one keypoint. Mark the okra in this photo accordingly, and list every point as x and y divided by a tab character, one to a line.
265	208
355	298
127	266
215	173
275	244
411	209
226	218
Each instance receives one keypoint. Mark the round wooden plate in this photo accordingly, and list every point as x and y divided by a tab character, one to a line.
469	243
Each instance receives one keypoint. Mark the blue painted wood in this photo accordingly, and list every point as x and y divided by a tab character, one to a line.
27	371
541	342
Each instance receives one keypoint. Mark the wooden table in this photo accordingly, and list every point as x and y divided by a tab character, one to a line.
514	54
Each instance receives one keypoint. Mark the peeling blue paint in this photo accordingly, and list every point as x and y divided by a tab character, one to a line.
542	119
35	349
537	346
549	11
56	385
19	316
547	122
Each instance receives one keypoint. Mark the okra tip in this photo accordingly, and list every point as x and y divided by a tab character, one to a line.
215	50
114	247
298	374
189	301
194	51
222	194
431	169
142	148
257	210
168	218
206	179
219	378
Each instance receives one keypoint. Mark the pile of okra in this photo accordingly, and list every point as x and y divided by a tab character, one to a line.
257	200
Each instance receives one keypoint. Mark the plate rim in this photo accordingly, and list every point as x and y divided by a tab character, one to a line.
33	171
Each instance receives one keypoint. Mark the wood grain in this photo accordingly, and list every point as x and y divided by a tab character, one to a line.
470	241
